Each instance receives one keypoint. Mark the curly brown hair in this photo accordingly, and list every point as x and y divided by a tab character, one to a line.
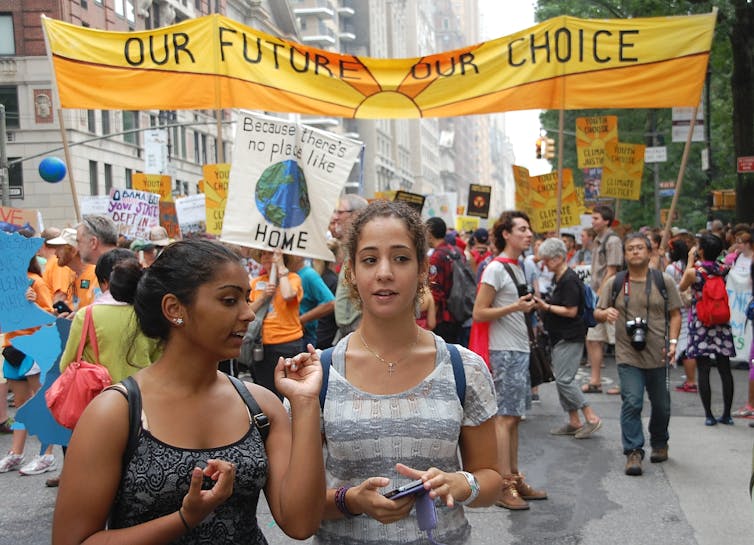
386	209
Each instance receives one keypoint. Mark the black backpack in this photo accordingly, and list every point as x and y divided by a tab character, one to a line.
460	302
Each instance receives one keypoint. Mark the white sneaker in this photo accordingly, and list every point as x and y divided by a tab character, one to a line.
39	464
11	462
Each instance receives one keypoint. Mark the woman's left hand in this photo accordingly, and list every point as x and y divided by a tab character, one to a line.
300	375
442	484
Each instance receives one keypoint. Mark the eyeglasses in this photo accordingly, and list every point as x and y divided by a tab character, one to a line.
340	212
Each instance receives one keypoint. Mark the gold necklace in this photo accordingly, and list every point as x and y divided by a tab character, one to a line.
390	364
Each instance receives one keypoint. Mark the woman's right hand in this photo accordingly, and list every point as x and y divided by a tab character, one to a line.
198	503
367	499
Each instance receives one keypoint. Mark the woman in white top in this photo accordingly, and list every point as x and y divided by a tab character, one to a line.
392	412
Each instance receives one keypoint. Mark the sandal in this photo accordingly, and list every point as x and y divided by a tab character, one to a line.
590	388
613	390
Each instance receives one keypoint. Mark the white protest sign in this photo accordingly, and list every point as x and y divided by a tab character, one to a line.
134	212
96	205
284	182
442	205
192	214
738	283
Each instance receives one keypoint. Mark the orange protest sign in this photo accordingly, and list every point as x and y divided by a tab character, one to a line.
216	191
591	135
622	171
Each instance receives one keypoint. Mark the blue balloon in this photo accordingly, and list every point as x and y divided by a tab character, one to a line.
52	169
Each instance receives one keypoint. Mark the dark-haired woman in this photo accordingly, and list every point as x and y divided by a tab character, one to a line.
712	345
679	253
200	462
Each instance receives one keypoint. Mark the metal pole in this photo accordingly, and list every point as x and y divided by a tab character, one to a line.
4	174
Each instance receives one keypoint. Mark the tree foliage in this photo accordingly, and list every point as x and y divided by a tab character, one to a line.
731	122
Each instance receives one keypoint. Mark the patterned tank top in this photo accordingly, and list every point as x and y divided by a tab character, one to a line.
158	477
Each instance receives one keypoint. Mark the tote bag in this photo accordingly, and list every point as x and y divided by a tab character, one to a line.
80	382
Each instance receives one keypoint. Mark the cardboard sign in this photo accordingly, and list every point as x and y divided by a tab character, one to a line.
622	171
412	199
592	133
479	201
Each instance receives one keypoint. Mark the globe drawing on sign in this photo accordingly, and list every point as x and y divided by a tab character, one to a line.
282	196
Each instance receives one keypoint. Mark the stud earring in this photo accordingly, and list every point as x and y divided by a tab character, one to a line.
178	321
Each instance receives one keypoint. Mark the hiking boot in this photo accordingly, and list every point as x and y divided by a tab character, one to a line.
11	462
659	455
509	496
526	491
40	464
633	463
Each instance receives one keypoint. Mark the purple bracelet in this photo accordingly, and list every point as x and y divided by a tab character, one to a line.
340	501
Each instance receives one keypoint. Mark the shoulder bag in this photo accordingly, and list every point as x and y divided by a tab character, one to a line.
80	382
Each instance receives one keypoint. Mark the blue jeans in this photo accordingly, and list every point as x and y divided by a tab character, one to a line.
633	381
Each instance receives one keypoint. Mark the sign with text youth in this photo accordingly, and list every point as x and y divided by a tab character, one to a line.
215	62
622	171
134	212
591	135
284	181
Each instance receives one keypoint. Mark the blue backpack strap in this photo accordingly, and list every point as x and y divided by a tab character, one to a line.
458	373
325	358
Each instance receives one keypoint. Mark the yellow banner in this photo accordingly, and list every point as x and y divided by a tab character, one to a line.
153	183
216	195
215	62
622	171
591	135
523	188
543	199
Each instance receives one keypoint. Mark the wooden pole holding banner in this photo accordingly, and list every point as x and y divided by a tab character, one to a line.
559	205
681	171
219	119
69	165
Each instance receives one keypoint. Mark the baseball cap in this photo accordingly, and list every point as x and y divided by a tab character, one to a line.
481	235
67	236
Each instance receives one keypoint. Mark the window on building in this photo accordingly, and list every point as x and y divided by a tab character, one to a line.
108	178
183	142
105	121
204	150
130	122
7	36
120	8
197	154
9	99
84	4
93	180
128	172
15	179
91	121
130	11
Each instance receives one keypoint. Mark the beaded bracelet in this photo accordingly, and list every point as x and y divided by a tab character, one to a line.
183	519
340	501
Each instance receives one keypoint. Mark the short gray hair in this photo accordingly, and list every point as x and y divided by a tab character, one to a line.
353	202
552	247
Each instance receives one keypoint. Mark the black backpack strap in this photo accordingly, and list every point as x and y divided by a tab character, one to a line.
618	280
458	372
325	359
659	281
261	422
129	389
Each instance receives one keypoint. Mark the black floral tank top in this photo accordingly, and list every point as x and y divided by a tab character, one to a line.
158	477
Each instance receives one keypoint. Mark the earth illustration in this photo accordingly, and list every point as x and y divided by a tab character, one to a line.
282	196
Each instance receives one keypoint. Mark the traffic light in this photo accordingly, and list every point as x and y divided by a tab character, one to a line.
549	148
540	145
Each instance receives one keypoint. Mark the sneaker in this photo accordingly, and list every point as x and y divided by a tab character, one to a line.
659	455
727	420
688	388
40	464
747	411
565	429
588	429
5	427
633	463
11	462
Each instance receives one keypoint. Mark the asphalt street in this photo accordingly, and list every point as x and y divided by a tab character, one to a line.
699	496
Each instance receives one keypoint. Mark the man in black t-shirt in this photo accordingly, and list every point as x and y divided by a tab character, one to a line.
564	324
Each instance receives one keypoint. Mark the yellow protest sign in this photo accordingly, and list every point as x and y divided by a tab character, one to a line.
543	199
215	62
591	135
216	194
467	223
622	171
153	183
521	179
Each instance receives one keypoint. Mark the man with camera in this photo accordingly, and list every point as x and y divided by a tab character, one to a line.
644	304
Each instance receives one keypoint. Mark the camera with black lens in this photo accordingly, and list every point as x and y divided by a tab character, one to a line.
637	332
524	290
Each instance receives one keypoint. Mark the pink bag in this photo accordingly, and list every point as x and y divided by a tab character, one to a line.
80	382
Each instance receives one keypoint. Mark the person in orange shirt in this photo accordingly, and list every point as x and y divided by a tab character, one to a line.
22	373
82	287
282	333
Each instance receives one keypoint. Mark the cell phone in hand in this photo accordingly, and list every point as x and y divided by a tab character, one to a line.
405	490
61	307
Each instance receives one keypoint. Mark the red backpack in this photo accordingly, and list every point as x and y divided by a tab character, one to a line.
713	307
